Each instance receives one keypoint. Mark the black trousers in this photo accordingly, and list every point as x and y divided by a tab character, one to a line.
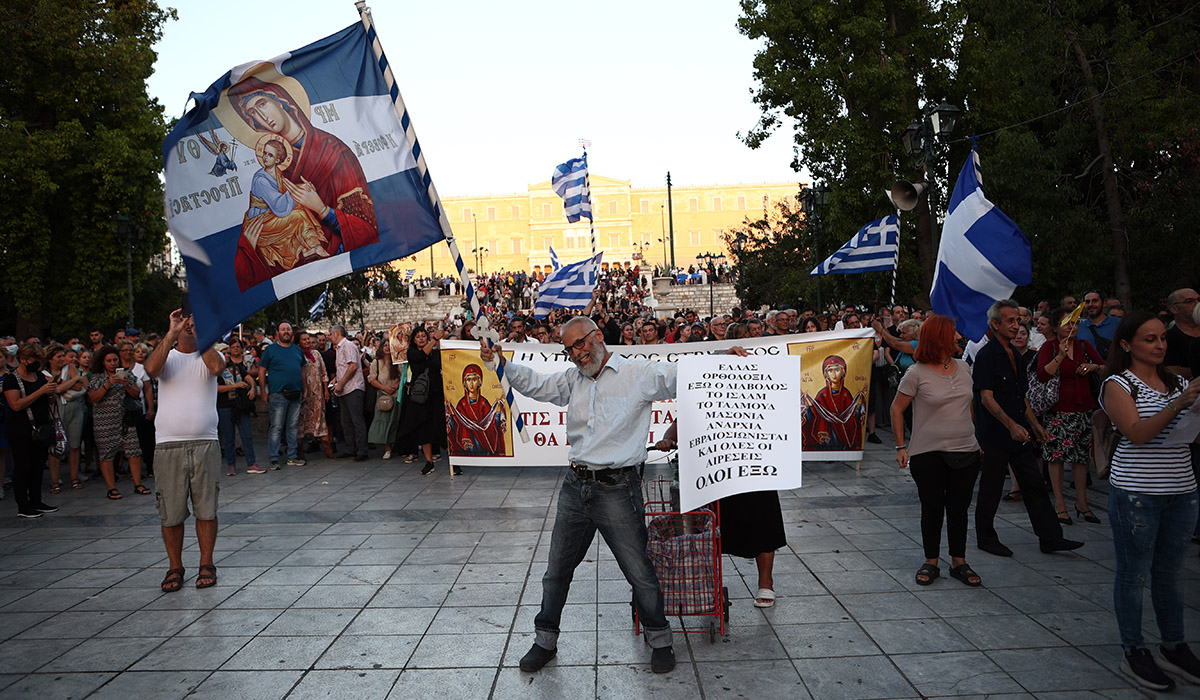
943	490
29	464
145	434
1033	491
354	424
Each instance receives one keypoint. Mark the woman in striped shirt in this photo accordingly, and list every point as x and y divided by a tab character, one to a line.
1153	501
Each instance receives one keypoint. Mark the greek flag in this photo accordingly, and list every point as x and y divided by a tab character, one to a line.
568	287
570	182
408	275
554	263
872	249
317	310
983	255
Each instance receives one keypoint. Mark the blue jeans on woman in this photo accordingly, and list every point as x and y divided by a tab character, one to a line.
227	419
617	512
1151	534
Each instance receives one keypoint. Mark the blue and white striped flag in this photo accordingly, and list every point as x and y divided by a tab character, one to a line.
983	255
317	310
872	249
570	182
554	263
408	275
568	287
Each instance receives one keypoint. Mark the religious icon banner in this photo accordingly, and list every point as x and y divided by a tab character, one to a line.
739	427
287	173
836	416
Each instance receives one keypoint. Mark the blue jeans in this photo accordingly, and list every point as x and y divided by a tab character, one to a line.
618	513
1150	533
283	413
227	420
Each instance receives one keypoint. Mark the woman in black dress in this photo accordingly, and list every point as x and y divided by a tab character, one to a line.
424	424
751	527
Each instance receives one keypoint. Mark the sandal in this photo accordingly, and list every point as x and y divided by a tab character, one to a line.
174	580
409	459
75	484
207	577
114	495
141	490
1087	515
963	573
55	489
765	598
927	573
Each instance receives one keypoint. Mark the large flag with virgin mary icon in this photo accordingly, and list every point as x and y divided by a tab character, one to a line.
290	172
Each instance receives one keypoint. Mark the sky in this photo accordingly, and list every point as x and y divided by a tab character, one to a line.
500	93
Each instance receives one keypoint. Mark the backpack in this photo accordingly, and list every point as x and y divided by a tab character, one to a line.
418	391
1105	436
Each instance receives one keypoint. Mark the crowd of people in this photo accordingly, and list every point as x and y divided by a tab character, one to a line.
1017	405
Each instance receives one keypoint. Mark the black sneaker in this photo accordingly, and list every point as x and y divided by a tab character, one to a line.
427	469
274	466
1139	665
456	470
44	508
537	657
1062	544
30	513
874	439
1180	661
662	660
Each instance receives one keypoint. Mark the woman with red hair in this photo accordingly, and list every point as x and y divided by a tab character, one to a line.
942	454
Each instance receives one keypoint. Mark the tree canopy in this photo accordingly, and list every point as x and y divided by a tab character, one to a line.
1084	111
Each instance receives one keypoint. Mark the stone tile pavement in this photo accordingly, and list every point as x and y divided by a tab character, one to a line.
345	580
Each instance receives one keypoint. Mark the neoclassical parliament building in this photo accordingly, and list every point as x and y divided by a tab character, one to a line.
516	231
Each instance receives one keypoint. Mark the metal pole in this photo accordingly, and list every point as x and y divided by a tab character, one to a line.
478	257
817	247
671	221
129	269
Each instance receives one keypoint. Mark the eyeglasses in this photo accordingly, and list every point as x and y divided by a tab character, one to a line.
1190	301
578	344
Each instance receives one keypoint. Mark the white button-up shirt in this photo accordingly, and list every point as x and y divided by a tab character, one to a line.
608	418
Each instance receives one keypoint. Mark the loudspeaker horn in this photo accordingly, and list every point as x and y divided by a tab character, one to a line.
905	194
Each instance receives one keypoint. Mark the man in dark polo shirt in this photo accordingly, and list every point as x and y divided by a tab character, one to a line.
1003	420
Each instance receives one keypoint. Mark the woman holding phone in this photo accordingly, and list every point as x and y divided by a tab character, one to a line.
110	384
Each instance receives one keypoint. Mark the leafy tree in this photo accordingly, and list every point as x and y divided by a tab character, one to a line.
79	145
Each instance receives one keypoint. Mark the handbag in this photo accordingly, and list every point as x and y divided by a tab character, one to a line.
1106	437
1043	395
43	436
385	402
418	391
61	447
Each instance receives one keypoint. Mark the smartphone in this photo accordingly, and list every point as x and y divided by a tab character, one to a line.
185	303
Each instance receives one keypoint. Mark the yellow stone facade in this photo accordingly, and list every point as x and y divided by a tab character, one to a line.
518	230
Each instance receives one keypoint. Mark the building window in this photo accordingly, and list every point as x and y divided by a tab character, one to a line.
741	202
516	246
571	240
716	204
644	206
547	210
491	213
516	212
694	238
467	217
693	204
612	207
614	240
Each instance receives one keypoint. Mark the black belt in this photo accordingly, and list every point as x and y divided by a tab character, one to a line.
586	473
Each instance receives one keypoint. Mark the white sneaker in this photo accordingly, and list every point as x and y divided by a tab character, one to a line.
387	455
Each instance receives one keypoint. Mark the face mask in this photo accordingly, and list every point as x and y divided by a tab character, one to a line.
11	349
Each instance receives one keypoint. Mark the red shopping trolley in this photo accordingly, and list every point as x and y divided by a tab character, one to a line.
685	549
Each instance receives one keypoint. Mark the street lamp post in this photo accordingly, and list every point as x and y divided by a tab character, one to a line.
709	258
671	220
813	205
924	141
125	230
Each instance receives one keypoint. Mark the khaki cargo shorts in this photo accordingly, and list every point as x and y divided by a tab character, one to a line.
184	470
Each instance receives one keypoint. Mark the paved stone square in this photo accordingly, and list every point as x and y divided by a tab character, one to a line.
346	580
